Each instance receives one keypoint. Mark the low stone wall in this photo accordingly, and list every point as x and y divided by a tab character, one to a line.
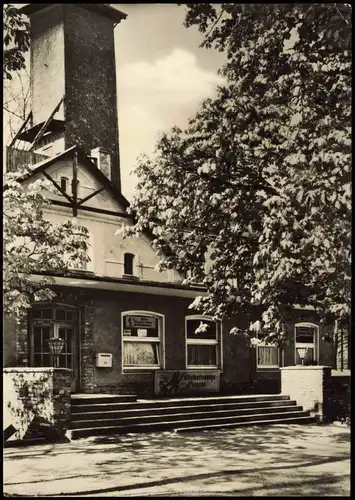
311	387
40	395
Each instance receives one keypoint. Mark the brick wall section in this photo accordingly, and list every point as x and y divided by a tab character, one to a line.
310	386
22	344
40	394
86	347
90	83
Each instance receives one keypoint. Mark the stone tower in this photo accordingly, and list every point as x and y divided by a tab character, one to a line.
73	55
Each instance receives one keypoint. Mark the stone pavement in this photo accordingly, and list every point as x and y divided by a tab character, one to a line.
278	460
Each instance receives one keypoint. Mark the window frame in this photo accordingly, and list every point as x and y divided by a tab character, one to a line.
54	325
271	367
315	343
217	342
132	256
160	340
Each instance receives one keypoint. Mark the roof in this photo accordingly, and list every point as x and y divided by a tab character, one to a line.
103	8
43	165
29	135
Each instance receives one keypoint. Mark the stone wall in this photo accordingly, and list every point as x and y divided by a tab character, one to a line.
310	386
40	395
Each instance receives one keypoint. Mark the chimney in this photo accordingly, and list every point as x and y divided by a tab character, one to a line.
73	54
102	160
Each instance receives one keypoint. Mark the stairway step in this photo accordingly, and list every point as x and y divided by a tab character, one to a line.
289	420
147	419
90	399
81	407
147	411
168	425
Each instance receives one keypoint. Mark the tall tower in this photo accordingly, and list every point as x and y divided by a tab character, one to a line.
73	55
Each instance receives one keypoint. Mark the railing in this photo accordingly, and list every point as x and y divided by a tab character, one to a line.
17	157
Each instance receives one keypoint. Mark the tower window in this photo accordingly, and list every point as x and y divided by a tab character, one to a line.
64	183
128	263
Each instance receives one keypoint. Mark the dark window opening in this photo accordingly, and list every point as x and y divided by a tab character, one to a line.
64	183
128	263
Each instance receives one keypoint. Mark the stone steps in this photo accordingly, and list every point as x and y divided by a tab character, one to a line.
145	410
182	414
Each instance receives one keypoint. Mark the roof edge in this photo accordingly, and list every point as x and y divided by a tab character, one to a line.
105	9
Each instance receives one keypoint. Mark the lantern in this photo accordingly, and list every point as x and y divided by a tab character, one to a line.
302	353
56	345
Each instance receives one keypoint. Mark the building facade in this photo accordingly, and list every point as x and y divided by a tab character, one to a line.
127	327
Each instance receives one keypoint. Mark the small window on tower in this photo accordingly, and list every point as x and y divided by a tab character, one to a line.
64	183
128	263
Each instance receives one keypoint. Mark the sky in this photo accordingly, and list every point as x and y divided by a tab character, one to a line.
162	76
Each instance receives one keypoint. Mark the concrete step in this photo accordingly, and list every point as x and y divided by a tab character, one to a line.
165	425
90	399
174	417
289	420
145	410
83	406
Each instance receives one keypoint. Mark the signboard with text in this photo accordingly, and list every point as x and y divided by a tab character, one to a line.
169	382
140	322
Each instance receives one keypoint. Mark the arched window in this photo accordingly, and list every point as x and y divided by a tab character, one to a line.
203	342
306	343
128	263
142	340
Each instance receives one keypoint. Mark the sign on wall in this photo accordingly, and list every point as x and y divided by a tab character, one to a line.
140	322
169	382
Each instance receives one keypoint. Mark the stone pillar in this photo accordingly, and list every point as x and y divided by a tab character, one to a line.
310	386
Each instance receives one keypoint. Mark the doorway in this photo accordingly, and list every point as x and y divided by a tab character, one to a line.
59	320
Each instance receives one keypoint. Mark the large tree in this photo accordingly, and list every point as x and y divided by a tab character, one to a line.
260	178
16	40
35	246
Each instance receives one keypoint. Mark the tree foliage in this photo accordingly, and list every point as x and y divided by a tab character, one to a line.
16	40
33	245
260	178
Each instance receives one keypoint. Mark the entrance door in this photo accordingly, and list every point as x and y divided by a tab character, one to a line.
55	321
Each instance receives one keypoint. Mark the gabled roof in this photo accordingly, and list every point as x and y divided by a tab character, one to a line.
43	165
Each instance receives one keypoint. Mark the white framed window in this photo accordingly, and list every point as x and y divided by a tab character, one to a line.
203	342
142	340
267	356
306	343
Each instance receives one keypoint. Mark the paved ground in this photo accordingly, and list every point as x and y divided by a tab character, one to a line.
279	460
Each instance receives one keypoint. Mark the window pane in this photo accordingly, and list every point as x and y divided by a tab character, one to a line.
268	356
37	360
209	329
37	339
305	334
140	326
203	355
36	313
140	353
60	314
47	313
70	315
46	360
